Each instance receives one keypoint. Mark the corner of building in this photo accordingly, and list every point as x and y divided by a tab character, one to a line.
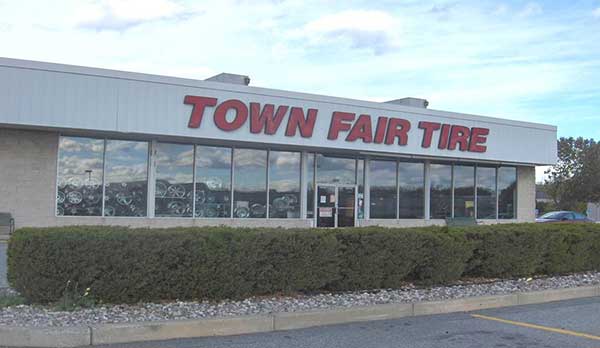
28	175
525	194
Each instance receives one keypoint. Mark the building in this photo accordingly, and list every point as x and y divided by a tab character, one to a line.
91	146
541	196
593	211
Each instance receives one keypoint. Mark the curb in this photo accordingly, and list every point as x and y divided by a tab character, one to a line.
137	332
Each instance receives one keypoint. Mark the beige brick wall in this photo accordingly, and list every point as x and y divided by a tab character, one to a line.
183	222
28	176
526	194
401	222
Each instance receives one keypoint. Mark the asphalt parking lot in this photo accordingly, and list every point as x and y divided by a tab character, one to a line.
574	323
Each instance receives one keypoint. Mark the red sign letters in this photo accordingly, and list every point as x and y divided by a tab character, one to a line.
268	118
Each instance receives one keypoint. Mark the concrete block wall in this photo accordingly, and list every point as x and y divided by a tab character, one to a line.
28	176
401	222
526	194
179	222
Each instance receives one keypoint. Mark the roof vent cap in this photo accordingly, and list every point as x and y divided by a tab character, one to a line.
414	102
230	78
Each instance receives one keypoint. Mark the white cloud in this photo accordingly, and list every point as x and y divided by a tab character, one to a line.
540	173
501	9
73	165
85	146
285	185
213	158
285	161
126	173
531	9
377	30
248	160
352	20
503	82
123	14
476	57
185	159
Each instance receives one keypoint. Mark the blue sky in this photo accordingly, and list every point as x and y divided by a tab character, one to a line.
534	61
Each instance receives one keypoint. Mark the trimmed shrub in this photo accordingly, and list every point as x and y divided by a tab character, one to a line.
442	256
510	251
122	265
130	265
516	250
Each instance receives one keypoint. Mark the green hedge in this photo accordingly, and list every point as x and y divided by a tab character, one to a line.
123	265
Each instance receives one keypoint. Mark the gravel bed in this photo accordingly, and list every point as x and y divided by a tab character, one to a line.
45	316
7	292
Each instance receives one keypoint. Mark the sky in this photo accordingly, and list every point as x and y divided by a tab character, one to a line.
535	61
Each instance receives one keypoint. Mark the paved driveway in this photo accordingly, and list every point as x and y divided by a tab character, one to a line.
574	324
3	281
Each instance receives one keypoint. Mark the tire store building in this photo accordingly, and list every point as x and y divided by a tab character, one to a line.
99	147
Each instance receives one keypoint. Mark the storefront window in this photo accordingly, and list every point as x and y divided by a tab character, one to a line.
126	179
486	193
284	184
441	191
89	167
310	185
464	191
411	181
360	180
382	179
174	180
507	188
250	183
80	167
213	182
336	170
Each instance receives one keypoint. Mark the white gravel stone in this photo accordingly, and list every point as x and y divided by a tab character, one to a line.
24	315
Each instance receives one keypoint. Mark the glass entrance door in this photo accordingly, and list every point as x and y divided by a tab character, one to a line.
326	203
336	206
346	206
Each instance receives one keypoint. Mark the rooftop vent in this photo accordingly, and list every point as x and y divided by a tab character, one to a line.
230	78
414	102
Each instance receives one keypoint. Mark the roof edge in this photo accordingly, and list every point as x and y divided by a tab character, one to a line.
180	81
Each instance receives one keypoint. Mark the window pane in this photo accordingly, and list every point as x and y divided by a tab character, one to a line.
382	179
213	182
310	185
174	180
507	188
284	184
126	178
412	182
336	170
464	191
441	191
360	176
250	178
486	193
80	166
